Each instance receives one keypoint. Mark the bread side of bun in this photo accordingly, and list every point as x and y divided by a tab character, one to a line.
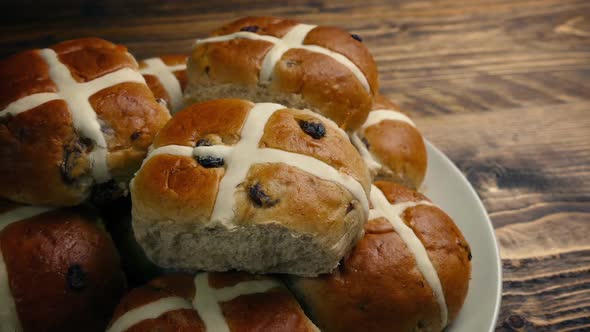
257	187
263	59
263	248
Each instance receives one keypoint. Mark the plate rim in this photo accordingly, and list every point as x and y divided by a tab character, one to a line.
488	225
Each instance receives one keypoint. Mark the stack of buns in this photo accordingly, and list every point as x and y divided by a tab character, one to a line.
280	160
76	119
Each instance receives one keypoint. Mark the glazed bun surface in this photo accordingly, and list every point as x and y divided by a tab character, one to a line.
391	145
75	115
254	187
166	77
59	270
410	272
210	302
262	59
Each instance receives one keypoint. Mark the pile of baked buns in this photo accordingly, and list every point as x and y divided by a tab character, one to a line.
260	184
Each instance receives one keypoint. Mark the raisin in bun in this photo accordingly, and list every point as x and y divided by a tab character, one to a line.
391	145
166	77
74	117
321	68
410	272
230	184
210	302
59	270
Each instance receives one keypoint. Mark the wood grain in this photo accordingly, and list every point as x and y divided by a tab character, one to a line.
530	166
503	87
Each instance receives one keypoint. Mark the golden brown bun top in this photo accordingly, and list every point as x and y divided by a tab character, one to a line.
26	73
272	310
15	72
220	122
332	38
396	145
170	60
63	269
179	188
41	143
378	287
397	193
301	78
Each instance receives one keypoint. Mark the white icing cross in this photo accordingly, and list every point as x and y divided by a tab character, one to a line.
206	303
165	73
9	320
373	165
376	117
393	213
292	39
207	299
239	157
151	310
77	95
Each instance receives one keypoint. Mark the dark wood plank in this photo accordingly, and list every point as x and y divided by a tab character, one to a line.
531	167
503	87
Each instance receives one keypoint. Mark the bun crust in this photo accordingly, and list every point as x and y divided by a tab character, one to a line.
379	286
62	269
175	194
41	136
391	145
309	77
166	77
261	303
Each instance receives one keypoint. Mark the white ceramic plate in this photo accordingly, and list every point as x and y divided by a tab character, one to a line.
446	186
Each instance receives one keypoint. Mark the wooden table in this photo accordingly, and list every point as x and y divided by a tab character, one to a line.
502	87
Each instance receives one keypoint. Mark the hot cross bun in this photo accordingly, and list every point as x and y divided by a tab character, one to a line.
166	77
73	118
410	272
391	145
220	302
325	69
59	270
230	184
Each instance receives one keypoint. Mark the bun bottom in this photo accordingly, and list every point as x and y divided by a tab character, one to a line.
265	248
